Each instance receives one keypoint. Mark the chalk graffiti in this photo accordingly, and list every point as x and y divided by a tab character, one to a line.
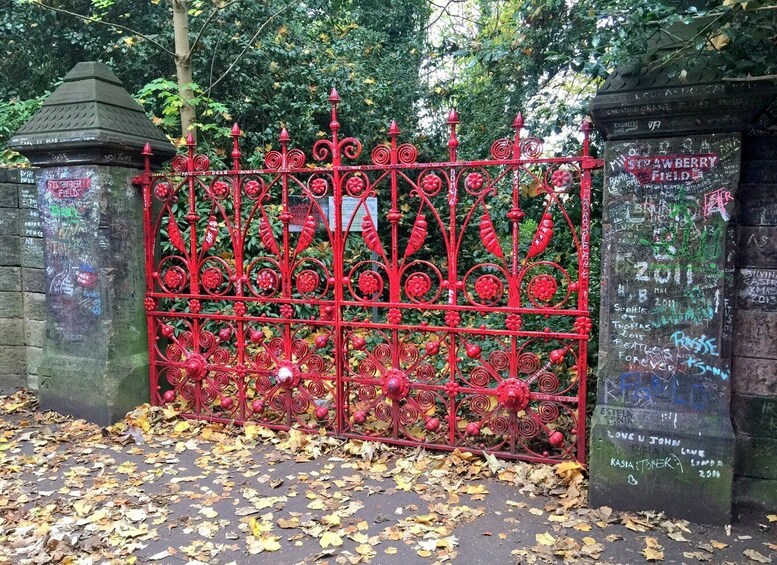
716	201
648	390
701	344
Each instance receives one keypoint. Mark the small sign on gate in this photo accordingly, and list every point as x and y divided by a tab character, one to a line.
353	212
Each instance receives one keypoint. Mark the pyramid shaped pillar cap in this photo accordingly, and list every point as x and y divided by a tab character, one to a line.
90	119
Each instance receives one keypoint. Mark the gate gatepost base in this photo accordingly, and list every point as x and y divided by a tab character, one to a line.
662	437
87	140
642	460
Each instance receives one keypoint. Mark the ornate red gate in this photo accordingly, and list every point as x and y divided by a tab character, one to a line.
405	302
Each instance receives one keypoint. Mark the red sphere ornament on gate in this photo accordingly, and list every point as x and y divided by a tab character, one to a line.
288	374
556	439
513	394
195	367
396	385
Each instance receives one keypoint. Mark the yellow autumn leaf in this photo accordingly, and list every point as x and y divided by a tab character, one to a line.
589	541
270	543
258	528
653	554
391	551
772	517
181	427
568	470
364	549
251	431
317	504
330	539
545	539
719	41
476	489
402	483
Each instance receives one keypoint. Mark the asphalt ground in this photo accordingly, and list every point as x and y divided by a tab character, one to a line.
158	489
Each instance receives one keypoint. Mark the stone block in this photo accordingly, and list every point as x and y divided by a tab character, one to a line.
756	493
10	279
755	334
34	305
10	251
757	247
34	333
33	280
11	305
755	415
11	331
32	382
759	172
21	176
31	252
29	223
758	148
9	195
753	375
3	174
93	389
34	356
28	196
677	462
756	289
757	205
11	382
756	457
9	221
13	360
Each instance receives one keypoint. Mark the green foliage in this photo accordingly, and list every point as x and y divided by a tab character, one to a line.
13	114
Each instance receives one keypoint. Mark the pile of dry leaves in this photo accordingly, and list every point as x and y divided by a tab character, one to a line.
158	488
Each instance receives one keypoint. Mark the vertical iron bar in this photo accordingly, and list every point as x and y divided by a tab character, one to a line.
453	143
337	251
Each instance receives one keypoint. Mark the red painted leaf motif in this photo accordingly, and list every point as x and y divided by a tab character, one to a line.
306	235
542	237
417	235
370	235
488	236
174	233
268	239
211	235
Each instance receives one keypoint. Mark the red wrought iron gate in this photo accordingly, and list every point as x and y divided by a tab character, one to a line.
436	304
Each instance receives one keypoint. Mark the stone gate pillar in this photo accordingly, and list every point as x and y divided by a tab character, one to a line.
86	140
662	437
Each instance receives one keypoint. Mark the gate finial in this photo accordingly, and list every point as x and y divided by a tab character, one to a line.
236	154
334	100
453	141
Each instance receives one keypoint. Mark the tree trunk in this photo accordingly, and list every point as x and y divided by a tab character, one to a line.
183	66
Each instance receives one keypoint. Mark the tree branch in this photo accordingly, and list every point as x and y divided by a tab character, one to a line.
215	11
248	45
109	24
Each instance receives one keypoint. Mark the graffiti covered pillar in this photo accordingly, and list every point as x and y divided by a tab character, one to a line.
87	140
661	436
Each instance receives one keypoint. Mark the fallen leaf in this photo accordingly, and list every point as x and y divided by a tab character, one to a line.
545	539
753	555
330	539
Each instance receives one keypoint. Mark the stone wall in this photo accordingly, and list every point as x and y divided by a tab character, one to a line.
22	298
754	398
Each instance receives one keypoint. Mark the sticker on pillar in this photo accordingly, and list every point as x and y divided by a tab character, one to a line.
68	188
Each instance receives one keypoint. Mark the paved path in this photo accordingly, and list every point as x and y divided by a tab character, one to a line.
164	490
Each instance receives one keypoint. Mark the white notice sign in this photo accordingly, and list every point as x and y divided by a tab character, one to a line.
353	215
